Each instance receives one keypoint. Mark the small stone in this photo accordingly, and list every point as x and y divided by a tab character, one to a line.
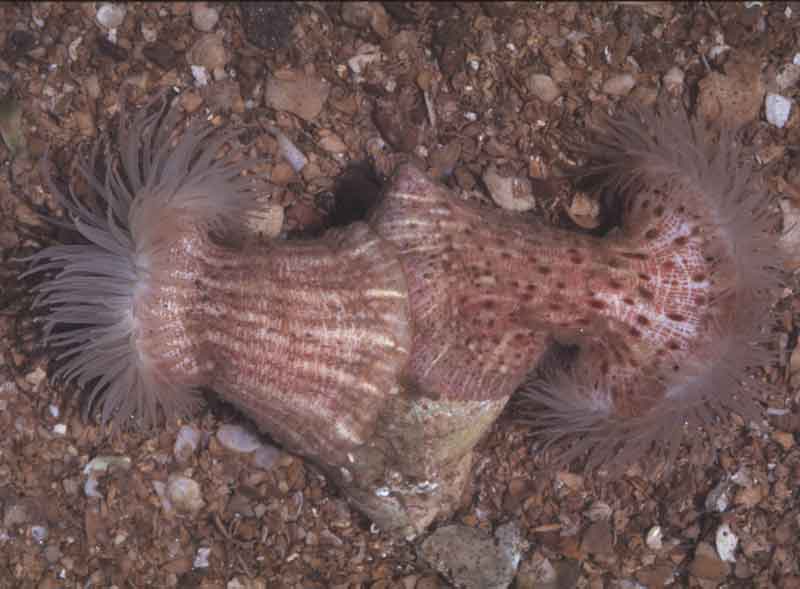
543	87
149	32
110	15
726	542
735	97
85	122
673	81
161	54
785	439
367	14
331	142
297	93
512	193
471	558
654	538
266	457
186	443
598	539
16	514
777	109
707	565
268	24
184	494
204	18
201	558
200	75
208	52
788	76
619	85
584	211
191	101
92	85
238	439
39	534
101	464
223	96
366	55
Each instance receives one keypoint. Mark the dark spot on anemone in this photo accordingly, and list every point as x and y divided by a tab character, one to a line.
658	211
695	231
651	233
645	204
554	307
488	305
544	270
604	367
595	304
560	285
514	284
628	301
584	321
668	266
699	277
646	294
675	368
673	345
613	263
505	255
615	284
642	320
530	287
643	276
700	299
635	332
681	241
634	255
676	317
577	260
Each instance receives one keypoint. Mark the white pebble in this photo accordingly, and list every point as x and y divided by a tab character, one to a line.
200	75
60	429
543	87
39	534
201	559
619	85
54	410
778	109
100	464
289	150
149	32
654	538
204	18
726	542
90	488
673	80
238	439
109	15
184	494
186	442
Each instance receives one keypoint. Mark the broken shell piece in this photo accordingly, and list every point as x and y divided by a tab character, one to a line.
208	52
513	193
